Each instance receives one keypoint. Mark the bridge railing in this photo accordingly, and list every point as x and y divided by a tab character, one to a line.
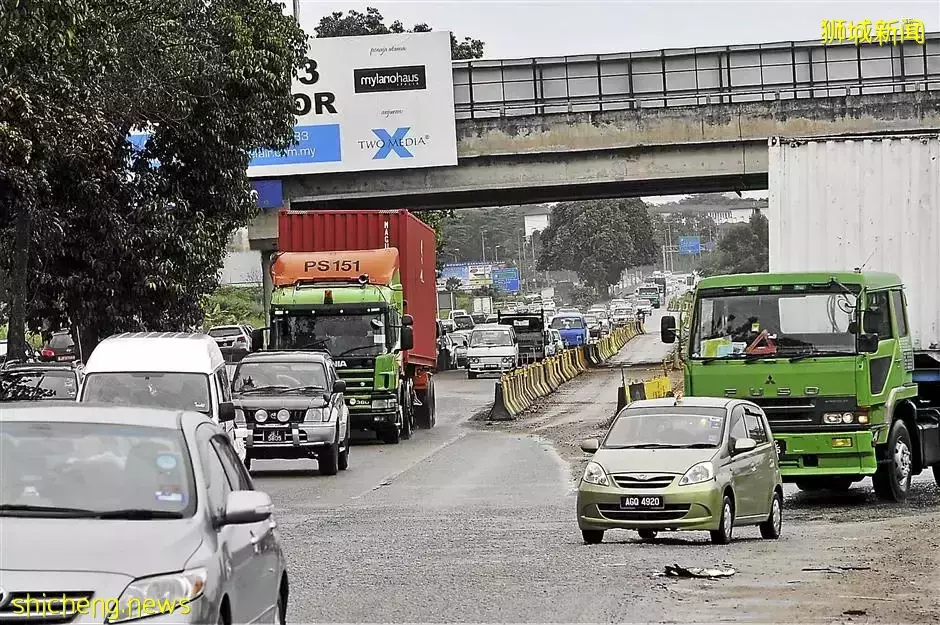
690	77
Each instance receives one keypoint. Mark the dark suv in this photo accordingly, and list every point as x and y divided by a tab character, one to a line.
38	381
59	348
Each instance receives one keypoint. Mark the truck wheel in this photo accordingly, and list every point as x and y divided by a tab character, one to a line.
892	480
407	418
392	433
425	413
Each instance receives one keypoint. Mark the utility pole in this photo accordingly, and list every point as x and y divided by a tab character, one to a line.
297	10
483	245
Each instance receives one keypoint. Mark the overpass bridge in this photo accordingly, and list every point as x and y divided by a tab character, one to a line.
640	123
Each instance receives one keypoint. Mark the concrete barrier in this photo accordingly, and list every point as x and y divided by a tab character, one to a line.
516	391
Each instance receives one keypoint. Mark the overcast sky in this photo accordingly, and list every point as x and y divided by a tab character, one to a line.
514	28
518	28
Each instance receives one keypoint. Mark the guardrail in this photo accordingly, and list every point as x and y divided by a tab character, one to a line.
518	390
692	76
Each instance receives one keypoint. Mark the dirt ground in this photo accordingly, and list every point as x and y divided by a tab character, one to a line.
889	554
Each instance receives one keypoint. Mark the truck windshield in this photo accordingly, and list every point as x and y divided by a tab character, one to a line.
343	334
649	292
795	323
567	323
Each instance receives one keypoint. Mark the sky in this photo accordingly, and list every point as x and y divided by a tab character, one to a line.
515	29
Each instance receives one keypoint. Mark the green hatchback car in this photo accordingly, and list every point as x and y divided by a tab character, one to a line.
693	463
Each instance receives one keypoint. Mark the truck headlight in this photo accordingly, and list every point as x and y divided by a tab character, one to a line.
595	474
384	404
701	472
833	418
161	594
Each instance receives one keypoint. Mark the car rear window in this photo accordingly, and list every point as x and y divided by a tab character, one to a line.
220	332
60	340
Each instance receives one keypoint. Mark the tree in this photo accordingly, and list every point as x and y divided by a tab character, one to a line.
453	284
354	23
598	239
132	237
743	249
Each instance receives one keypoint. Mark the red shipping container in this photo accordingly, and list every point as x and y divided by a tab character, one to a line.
335	231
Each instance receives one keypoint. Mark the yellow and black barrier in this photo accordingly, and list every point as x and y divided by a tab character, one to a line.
517	390
655	388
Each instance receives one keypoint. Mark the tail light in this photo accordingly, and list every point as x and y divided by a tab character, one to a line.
46	352
241	339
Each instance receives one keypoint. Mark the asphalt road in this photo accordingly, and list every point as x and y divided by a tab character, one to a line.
461	524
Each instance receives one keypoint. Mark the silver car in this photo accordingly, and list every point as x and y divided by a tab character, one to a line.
115	513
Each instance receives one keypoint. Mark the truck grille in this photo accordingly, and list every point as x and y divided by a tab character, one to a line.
47	607
359	382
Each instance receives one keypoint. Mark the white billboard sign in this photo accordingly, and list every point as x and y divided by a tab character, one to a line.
370	103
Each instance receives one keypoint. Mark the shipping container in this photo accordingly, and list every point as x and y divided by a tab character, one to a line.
869	201
332	231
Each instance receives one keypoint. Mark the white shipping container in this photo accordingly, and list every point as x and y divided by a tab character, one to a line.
838	203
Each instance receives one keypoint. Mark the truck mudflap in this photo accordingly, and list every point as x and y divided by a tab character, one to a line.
928	434
825	453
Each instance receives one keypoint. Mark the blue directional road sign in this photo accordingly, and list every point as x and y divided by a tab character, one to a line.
690	245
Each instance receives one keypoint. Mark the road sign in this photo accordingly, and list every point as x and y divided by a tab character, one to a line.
690	245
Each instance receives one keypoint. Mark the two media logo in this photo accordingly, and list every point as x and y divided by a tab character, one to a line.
395	142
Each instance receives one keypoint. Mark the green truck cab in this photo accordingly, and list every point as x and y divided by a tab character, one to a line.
829	358
650	292
351	308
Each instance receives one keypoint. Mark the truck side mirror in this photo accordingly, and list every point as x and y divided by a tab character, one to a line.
257	339
667	329
407	337
407	320
867	343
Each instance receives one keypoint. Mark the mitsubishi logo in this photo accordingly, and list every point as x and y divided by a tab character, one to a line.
770	380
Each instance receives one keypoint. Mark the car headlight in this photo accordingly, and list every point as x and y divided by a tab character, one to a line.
283	415
595	474
474	360
314	414
161	594
508	359
261	416
701	472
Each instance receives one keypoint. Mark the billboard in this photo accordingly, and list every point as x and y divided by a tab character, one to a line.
476	275
370	103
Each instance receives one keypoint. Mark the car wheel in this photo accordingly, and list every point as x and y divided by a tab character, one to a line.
247	462
281	609
772	526
592	537
343	461
892	480
328	460
471	375
647	534
722	535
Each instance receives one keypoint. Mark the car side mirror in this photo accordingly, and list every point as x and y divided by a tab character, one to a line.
590	445
867	343
407	337
247	506
339	386
667	329
257	339
742	445
226	411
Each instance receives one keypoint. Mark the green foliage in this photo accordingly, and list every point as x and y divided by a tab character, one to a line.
598	239
743	249
122	239
584	297
354	23
233	305
453	284
465	233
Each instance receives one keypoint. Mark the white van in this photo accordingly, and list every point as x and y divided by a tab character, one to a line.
175	370
492	349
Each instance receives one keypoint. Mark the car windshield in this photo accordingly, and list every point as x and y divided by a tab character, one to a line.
667	427
175	391
490	338
784	324
256	375
224	332
342	334
464	322
37	384
94	470
567	323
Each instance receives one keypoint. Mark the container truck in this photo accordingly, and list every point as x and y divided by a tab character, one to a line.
361	285
840	342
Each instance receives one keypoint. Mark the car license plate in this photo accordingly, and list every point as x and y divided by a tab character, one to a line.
654	502
65	358
276	436
491	366
781	446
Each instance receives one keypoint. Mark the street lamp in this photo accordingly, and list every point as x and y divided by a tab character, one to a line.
455	254
496	254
